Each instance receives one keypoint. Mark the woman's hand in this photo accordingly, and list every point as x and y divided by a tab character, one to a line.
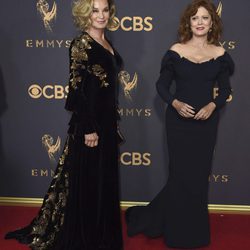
91	140
205	112
183	109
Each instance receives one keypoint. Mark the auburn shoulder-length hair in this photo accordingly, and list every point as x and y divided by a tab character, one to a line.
82	10
184	31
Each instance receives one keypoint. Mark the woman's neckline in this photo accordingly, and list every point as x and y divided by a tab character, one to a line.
111	53
198	63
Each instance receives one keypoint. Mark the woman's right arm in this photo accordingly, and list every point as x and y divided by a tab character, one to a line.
165	80
82	94
163	88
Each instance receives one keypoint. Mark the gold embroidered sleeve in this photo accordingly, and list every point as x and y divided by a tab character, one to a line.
99	72
78	59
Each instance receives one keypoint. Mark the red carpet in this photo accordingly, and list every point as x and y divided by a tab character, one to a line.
229	232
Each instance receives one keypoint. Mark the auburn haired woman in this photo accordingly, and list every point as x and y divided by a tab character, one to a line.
179	212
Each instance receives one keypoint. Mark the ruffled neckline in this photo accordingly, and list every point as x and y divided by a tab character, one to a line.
198	63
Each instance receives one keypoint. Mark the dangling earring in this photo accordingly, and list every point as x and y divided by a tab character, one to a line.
188	26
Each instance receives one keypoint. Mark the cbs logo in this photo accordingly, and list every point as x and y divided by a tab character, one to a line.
135	159
135	23
48	91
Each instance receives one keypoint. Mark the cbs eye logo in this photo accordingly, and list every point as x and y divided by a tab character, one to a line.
135	23
35	91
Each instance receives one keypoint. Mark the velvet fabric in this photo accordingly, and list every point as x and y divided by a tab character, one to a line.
81	209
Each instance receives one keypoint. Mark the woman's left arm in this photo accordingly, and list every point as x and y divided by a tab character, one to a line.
223	81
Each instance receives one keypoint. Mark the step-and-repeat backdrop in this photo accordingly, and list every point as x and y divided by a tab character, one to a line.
35	37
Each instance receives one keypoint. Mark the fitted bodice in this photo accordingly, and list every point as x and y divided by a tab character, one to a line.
195	82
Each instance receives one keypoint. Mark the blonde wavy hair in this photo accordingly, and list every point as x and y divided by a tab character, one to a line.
82	10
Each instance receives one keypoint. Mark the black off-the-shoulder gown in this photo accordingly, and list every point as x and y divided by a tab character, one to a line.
179	212
81	209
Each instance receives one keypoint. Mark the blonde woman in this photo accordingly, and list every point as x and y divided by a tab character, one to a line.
81	208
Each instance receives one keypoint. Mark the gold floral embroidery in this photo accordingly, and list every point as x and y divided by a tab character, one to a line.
65	153
78	57
99	72
52	210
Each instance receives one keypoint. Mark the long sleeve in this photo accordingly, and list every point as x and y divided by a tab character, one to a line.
82	89
165	80
227	69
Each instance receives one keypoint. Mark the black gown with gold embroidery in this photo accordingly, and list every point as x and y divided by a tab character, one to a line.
81	208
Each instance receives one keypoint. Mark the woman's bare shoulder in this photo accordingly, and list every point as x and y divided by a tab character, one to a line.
218	50
176	47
